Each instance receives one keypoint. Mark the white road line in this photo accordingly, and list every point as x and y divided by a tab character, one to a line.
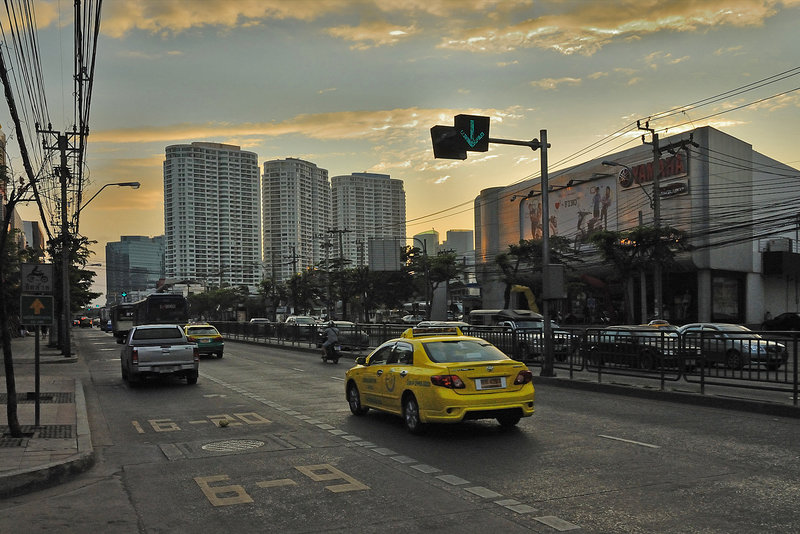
339	378
301	370
650	445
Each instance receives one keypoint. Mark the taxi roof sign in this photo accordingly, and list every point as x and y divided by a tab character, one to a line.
432	331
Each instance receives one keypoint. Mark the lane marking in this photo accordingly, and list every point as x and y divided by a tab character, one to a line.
650	445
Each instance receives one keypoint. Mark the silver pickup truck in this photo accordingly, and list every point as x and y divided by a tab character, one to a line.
158	350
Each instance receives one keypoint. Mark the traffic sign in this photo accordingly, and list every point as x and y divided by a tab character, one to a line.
37	277
36	310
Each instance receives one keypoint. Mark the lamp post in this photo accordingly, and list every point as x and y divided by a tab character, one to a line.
427	277
66	249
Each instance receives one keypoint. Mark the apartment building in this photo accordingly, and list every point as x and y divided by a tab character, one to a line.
295	216
211	214
365	206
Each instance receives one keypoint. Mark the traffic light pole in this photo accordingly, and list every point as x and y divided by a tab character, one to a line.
470	133
547	328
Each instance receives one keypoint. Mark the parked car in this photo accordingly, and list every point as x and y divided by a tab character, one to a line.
733	345
441	377
640	347
208	339
783	322
301	328
260	320
350	336
412	319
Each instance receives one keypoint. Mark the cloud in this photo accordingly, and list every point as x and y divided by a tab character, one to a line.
553	83
373	34
586	27
371	125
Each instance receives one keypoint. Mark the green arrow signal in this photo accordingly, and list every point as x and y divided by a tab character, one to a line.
471	139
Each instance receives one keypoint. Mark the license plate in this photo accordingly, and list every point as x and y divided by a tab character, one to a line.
495	382
338	347
205	341
166	368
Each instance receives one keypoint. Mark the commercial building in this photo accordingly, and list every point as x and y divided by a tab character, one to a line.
134	266
296	215
737	206
365	206
211	215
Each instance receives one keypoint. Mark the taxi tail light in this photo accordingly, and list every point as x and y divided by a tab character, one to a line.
191	338
523	378
135	356
448	381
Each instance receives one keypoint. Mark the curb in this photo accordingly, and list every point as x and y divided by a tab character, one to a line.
742	405
24	481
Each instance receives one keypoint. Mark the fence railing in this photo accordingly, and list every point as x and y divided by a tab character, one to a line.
765	361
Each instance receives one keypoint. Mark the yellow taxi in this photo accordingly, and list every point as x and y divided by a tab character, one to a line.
439	375
208	339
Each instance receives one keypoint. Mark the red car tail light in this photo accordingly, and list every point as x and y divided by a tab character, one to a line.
523	378
135	356
196	353
448	381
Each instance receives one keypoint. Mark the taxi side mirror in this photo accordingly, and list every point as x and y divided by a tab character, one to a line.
361	360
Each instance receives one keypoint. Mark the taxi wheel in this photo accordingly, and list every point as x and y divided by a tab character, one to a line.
354	400
411	415
509	420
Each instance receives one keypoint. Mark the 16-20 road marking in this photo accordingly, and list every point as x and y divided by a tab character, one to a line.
237	419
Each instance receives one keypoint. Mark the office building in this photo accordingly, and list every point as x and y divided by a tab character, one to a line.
134	265
295	217
365	206
211	215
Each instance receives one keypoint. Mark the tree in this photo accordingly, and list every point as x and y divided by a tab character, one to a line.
635	250
522	264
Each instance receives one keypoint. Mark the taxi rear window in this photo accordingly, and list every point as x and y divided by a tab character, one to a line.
202	331
463	351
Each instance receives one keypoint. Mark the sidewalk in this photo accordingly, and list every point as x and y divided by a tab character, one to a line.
61	445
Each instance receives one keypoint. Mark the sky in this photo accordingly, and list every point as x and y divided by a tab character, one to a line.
355	86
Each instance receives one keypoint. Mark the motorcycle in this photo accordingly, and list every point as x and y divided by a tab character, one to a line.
332	353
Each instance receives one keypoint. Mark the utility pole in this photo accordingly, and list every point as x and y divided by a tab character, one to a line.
657	290
64	144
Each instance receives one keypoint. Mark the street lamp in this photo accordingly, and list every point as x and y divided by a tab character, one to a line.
66	247
655	204
133	185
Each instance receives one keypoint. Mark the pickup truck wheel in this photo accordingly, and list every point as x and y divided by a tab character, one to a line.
219	355
191	378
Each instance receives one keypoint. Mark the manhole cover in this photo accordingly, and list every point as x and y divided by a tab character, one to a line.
233	445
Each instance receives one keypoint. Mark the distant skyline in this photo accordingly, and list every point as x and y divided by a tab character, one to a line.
354	86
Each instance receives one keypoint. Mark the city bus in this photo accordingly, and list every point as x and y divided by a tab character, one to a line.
121	320
161	308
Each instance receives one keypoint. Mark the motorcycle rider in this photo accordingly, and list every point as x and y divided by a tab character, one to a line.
331	339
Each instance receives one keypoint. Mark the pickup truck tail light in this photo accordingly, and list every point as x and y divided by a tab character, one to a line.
196	353
135	356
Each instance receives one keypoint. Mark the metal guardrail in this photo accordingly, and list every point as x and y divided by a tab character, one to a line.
768	360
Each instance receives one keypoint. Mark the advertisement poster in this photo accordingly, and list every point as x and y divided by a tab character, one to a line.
576	212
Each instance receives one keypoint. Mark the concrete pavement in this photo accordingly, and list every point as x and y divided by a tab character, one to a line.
61	445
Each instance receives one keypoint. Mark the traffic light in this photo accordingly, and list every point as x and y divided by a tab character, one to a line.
447	143
469	133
